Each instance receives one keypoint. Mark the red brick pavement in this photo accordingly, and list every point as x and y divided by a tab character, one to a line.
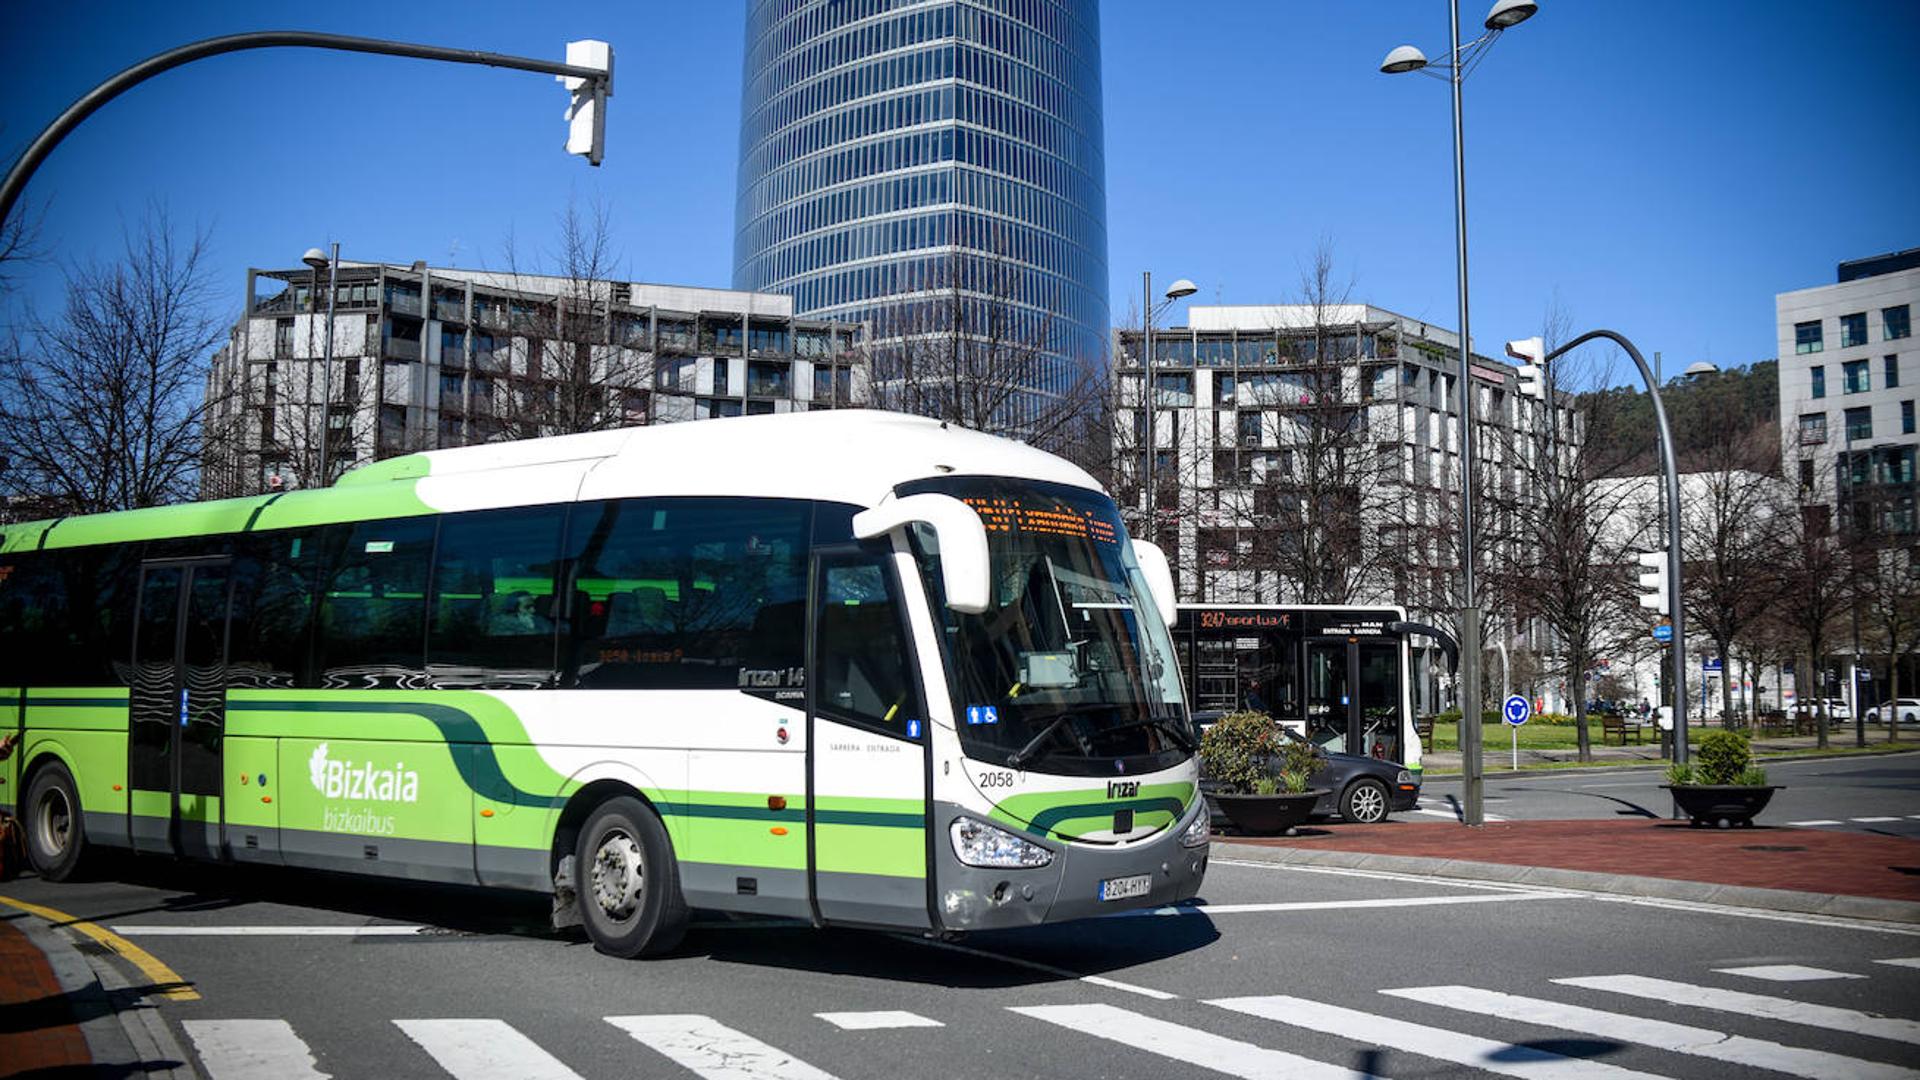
38	1033
1809	860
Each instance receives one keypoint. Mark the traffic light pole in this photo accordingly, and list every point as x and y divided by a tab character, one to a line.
92	100
1674	591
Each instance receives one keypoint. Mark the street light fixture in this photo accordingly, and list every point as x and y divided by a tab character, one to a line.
1180	289
318	260
1405	58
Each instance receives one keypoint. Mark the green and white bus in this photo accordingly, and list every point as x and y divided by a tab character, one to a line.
850	667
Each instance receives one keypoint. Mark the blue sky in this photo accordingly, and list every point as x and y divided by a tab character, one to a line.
1662	168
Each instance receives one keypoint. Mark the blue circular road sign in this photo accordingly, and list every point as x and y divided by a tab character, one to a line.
1516	710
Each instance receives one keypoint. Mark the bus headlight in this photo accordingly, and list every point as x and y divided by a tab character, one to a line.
1199	832
980	844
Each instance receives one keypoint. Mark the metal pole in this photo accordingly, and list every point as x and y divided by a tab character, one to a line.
1473	782
1675	591
326	369
1149	397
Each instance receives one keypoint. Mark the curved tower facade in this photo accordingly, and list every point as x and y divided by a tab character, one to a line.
897	151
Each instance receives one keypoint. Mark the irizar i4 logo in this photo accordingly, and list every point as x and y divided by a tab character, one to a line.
361	780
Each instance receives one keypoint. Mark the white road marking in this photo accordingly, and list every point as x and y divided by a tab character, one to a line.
1873	820
1787	973
1373	1030
1035	965
1851	1021
1338	905
1453	815
484	1050
1821	821
382	930
1661	1034
715	1051
1903	961
875	1021
1116	984
252	1050
1387	875
1185	1044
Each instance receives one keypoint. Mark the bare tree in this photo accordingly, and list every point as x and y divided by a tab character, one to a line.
1890	595
1815	585
19	242
101	408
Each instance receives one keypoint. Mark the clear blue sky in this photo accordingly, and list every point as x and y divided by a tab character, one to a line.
1664	167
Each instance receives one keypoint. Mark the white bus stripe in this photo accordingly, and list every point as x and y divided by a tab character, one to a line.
1339	905
1185	1044
382	930
1851	1021
252	1050
715	1051
1660	1034
1787	973
1470	1050
484	1050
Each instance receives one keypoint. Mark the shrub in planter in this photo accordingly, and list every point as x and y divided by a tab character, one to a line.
1238	750
1721	757
1722	784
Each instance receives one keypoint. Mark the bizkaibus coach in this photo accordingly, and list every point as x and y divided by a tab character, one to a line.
1338	675
850	667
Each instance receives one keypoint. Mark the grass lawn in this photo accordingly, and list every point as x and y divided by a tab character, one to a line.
1533	736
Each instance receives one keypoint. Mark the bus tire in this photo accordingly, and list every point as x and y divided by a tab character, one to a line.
627	882
1364	802
56	833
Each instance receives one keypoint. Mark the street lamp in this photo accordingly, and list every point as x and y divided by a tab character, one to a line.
1504	15
1178	290
318	260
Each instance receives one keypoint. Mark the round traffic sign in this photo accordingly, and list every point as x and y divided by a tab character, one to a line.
1516	710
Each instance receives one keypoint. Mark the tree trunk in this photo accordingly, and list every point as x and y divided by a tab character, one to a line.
1726	683
1577	678
1893	685
1820	692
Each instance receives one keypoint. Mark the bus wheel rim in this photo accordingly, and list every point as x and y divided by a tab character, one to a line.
55	821
1366	804
618	875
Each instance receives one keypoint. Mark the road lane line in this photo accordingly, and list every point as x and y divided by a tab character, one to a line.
252	1050
876	1021
1873	820
1337	905
1185	1044
484	1050
159	930
1660	1034
715	1051
1903	961
1851	1021
1035	965
1821	821
157	973
1512	1059
1787	973
1387	875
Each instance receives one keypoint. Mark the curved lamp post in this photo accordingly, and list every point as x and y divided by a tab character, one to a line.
1504	15
319	261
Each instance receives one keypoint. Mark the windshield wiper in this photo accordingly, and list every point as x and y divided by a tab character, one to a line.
1181	734
1019	758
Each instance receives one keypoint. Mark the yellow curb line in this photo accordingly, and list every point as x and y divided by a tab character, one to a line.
156	972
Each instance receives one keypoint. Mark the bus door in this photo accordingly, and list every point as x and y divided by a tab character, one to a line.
866	746
177	707
1353	696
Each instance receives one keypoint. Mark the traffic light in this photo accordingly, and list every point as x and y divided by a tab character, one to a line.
587	112
1533	372
1654	580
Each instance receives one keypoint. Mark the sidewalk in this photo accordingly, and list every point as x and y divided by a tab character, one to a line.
1850	874
41	1033
1447	762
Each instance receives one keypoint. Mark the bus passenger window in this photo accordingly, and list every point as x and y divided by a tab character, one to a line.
373	605
275	574
494	604
861	655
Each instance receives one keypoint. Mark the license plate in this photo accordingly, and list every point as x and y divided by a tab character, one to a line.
1122	887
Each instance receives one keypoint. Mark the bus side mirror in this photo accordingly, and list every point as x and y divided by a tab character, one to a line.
1159	575
964	571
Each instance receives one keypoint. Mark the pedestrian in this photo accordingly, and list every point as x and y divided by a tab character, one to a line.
1645	708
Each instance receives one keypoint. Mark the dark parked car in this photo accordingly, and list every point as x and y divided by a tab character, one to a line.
1359	789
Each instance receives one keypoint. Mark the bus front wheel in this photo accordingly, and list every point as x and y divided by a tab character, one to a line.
56	835
626	881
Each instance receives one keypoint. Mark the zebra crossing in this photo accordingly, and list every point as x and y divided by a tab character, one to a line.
1694	1022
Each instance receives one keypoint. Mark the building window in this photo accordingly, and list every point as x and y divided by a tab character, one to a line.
1891	366
1894	323
1859	424
1813	429
1906	418
1806	337
1819	382
1249	429
1858	379
1806	475
1853	329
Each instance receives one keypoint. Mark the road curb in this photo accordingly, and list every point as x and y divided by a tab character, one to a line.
1549	877
123	1031
1761	758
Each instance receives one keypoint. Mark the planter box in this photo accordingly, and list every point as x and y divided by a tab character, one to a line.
1724	804
1267	815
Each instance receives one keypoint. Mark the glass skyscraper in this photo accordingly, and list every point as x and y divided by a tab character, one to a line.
890	148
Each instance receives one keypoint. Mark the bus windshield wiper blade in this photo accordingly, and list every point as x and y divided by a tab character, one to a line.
1020	757
1173	727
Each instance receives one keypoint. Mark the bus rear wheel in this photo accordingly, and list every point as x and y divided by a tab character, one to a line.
1365	802
56	835
626	881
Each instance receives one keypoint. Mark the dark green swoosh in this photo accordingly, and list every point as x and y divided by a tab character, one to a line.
1044	821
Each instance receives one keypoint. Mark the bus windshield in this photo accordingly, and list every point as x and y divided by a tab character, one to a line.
1070	668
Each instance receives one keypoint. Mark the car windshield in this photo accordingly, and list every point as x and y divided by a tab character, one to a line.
1070	669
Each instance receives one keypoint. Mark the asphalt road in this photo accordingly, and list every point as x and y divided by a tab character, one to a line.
1282	972
1879	793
